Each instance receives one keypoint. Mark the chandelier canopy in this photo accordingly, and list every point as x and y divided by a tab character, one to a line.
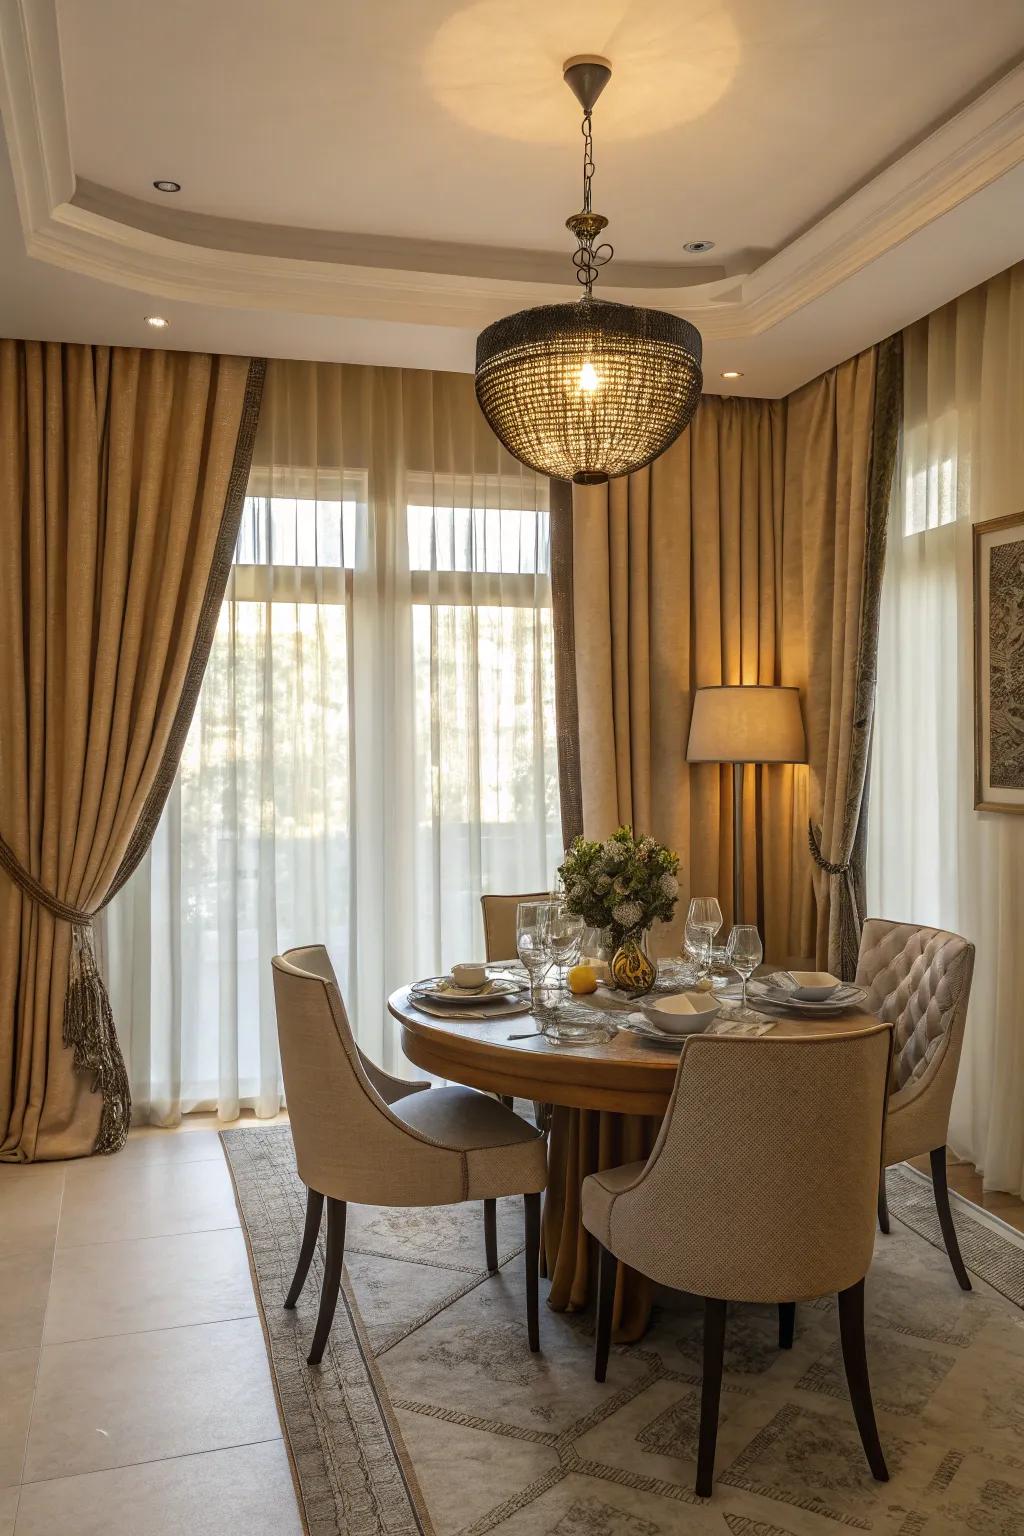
588	390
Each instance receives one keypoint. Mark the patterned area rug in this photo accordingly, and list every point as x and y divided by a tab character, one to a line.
429	1415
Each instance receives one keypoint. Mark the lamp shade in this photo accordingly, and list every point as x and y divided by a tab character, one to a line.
746	724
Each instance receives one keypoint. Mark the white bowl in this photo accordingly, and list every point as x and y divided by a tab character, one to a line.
681	1013
813	986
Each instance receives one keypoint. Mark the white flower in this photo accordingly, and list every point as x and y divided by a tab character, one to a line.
670	885
627	914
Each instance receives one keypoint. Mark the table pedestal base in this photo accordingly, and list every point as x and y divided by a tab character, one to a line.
581	1142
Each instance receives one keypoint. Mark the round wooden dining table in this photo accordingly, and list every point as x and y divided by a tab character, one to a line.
608	1100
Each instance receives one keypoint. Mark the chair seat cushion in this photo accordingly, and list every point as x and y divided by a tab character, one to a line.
598	1196
504	1155
463	1119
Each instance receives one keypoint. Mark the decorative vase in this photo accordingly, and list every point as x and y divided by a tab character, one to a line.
633	970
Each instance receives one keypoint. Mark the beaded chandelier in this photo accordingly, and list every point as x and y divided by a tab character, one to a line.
589	390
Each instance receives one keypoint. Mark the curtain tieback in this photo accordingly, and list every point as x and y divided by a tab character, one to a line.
814	839
89	1030
31	887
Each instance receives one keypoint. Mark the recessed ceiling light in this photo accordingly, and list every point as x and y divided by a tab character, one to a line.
732	373
157	322
698	247
167	186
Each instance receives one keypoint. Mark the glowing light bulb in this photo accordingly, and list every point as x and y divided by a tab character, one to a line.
588	378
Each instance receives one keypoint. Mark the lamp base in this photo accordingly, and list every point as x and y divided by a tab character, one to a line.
737	842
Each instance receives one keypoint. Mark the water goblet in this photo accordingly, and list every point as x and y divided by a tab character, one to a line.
745	955
532	942
565	936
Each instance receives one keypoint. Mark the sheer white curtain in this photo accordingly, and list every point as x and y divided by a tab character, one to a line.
374	744
932	858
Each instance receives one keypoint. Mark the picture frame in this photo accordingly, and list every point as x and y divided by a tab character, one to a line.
999	664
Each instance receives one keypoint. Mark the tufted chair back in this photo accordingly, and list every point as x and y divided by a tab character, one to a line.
918	980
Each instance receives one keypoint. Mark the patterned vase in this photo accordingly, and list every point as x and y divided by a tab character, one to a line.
633	970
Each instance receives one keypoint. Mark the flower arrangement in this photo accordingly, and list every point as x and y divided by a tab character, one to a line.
623	884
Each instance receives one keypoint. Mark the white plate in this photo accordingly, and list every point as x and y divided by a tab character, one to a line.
848	996
638	1025
501	1008
441	989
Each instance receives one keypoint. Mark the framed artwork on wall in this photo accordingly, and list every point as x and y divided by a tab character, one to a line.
999	664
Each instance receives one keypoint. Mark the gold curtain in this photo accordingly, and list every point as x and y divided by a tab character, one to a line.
842	432
677	585
122	474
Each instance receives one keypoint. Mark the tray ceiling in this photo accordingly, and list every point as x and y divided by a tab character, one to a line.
409	165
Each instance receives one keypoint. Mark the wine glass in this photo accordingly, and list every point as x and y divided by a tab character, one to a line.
705	913
565	935
532	943
745	955
703	921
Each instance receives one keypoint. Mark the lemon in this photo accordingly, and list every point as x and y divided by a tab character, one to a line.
582	980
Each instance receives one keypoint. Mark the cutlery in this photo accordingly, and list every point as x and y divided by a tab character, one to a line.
530	1035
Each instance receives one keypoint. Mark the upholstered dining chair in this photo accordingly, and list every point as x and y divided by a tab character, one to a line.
919	980
500	923
760	1188
361	1135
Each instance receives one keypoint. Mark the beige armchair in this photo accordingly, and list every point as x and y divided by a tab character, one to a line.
919	980
761	1187
500	923
364	1136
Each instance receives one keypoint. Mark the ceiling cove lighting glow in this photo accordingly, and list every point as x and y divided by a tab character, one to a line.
589	390
157	322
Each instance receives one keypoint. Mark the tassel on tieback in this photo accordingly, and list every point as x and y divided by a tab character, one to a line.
90	1034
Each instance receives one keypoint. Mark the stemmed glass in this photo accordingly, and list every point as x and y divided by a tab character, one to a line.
532	943
703	920
745	955
565	935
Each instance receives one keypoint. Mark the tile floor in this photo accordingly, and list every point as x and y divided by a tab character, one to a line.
135	1395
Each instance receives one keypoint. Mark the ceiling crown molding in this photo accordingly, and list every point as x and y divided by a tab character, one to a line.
968	153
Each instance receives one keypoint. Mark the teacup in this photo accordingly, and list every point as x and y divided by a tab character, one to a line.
469	975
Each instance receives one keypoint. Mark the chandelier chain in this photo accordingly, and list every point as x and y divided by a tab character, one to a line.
588	259
588	158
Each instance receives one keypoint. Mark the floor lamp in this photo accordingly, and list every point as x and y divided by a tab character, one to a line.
745	724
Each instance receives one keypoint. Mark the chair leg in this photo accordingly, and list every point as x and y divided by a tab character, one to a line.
607	1269
855	1359
883	1204
710	1394
336	1210
787	1323
310	1233
532	1203
491	1234
939	1184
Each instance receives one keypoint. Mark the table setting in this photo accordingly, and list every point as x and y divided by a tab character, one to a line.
584	972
